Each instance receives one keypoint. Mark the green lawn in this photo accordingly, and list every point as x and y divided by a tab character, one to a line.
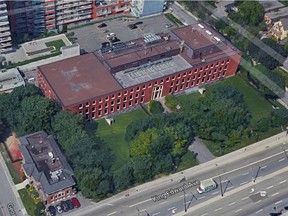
14	173
188	160
57	44
28	202
283	73
114	135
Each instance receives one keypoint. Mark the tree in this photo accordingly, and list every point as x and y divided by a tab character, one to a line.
252	12
142	168
35	114
123	177
68	128
279	117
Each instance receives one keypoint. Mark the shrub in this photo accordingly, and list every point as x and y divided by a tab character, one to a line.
155	107
171	102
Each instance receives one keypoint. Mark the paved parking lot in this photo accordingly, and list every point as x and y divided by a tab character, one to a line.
90	37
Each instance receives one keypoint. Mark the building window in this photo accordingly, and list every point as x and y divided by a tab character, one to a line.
100	107
80	106
173	77
210	72
228	60
143	93
93	109
172	84
203	79
217	64
131	97
206	68
185	74
106	105
125	93
187	85
107	98
222	63
87	104
179	75
156	82
176	88
161	82
144	87
142	100
94	102
112	103
93	117
138	88
113	96
225	68
194	77
124	105
150	85
87	111
183	80
195	70
100	100
106	111
170	90
189	78
167	79
119	94
137	95
125	99
118	101
215	70
205	74
190	72
201	69
177	82
130	103
199	75
118	107
99	113
212	65
112	109
131	90
136	101
181	88
81	112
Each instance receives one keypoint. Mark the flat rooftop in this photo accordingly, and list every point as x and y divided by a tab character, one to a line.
10	79
150	71
281	13
270	4
79	79
45	162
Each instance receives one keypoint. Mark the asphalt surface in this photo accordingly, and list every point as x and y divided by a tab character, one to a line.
90	37
239	167
8	202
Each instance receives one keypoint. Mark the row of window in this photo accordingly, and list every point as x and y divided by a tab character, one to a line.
59	195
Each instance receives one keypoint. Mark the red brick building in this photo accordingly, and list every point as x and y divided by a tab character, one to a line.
128	74
101	8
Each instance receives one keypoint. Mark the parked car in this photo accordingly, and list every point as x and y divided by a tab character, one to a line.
110	36
115	39
102	25
76	202
59	209
138	23
167	25
70	204
64	206
105	44
132	26
52	210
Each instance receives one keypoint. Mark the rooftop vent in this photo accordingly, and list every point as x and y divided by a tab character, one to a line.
201	26
150	37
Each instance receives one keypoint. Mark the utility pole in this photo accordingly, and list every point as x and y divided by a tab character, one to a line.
228	182
221	189
193	196
147	214
138	211
285	152
185	201
257	174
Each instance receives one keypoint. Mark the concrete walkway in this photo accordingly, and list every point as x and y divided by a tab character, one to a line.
22	184
199	147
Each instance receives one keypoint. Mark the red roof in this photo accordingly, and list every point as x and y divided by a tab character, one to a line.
79	79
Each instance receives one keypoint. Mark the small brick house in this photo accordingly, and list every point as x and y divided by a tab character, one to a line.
46	167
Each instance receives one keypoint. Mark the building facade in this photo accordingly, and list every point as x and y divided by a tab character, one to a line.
102	8
99	84
46	167
141	8
5	34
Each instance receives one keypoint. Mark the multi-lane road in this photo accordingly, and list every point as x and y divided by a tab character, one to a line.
237	170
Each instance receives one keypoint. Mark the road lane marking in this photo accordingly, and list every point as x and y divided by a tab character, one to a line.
201	197
156	214
139	203
282	182
275	194
232	203
204	214
215	192
218	209
269	187
112	213
171	208
278	202
259	211
238	210
263	167
258	201
162	202
244	183
281	159
244	198
230	187
245	173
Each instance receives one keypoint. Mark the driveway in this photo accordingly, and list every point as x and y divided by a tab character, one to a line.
199	147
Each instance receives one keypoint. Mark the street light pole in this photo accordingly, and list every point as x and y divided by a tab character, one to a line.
257	174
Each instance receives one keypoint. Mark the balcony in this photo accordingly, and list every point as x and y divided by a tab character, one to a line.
4	39
7	33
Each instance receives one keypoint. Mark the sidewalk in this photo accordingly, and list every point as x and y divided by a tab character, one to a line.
22	185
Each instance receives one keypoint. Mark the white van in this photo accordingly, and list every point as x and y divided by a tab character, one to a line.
206	186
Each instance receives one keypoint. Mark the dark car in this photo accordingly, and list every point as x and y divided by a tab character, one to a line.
70	204
276	214
132	26
138	23
102	25
105	44
52	210
115	39
286	207
64	206
76	202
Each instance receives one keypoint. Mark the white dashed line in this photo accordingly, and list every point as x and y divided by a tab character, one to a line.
258	201
263	167
259	211
278	202
204	214
162	202
238	210
269	187
244	183
274	194
156	214
139	203
282	182
245	173
281	159
201	197
231	203
244	198
171	208
112	213
215	192
217	209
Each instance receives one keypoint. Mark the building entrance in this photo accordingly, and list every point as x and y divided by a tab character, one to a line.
157	92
